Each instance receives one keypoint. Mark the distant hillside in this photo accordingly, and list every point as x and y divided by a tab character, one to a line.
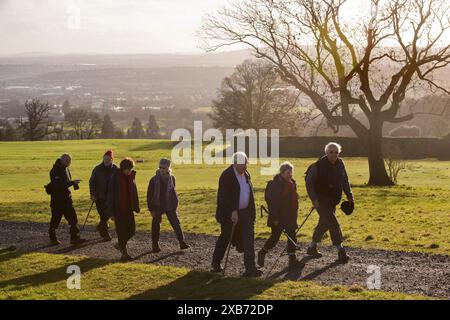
219	59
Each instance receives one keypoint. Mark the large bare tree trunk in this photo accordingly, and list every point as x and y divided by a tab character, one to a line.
378	175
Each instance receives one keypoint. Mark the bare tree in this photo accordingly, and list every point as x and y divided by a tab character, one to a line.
254	97
36	124
346	70
85	124
394	162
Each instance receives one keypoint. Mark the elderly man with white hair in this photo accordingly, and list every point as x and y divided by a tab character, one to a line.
325	181
236	211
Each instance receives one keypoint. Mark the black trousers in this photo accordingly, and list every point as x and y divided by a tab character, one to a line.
66	209
275	237
125	227
172	216
102	212
327	222
248	238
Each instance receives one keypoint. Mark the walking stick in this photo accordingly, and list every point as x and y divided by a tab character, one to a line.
82	229
228	249
296	232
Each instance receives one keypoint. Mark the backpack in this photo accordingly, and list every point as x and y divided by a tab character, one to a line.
49	188
268	194
310	167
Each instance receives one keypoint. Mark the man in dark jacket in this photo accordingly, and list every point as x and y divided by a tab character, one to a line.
325	182
283	213
162	198
122	201
98	186
236	209
61	200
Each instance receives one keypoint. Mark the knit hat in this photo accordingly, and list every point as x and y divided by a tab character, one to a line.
109	153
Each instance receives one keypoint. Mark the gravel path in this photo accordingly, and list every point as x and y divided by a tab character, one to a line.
408	272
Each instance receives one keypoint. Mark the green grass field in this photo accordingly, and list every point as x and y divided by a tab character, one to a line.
43	276
411	217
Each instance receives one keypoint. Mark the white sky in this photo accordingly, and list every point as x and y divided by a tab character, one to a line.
105	26
109	26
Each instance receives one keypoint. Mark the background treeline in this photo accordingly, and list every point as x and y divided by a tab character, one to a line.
77	123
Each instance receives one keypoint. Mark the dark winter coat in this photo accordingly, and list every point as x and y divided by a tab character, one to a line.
326	182
113	197
228	195
98	183
284	205
61	181
168	199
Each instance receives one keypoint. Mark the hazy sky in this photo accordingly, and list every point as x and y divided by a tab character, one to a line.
110	26
101	26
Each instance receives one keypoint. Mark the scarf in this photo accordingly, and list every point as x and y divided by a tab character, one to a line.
289	191
125	190
156	199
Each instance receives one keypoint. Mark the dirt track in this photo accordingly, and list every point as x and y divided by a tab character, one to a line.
415	273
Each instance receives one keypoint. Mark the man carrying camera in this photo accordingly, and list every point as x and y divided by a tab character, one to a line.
61	200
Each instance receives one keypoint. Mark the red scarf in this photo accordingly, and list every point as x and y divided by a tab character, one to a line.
289	190
125	189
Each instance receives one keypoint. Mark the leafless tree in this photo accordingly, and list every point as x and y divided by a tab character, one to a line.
36	124
85	124
346	70
394	162
254	97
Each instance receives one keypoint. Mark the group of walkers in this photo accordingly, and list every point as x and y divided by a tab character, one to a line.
113	190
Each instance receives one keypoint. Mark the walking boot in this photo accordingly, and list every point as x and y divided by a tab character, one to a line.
75	238
342	256
293	262
313	252
261	257
184	245
156	248
52	234
125	256
103	231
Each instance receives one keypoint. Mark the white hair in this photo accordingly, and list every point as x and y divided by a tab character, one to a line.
240	158
286	166
331	145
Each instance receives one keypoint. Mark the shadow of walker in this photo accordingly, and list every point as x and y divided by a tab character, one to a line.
206	286
53	275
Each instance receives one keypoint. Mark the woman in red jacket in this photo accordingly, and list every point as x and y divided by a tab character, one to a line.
283	213
122	202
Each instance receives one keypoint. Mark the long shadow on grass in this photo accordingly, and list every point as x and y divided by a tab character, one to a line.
9	254
72	248
50	276
205	285
172	254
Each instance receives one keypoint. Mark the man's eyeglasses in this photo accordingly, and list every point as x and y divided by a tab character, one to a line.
163	168
333	152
